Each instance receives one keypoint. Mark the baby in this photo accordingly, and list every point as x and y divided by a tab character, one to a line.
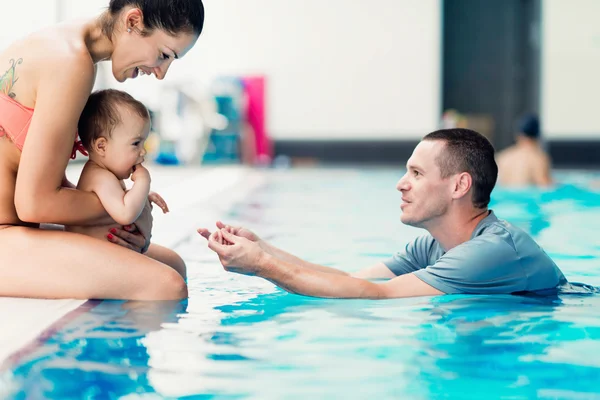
113	128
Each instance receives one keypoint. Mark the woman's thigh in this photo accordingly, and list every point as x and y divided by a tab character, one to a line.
54	264
168	257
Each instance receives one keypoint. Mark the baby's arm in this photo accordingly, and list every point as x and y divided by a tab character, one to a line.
123	207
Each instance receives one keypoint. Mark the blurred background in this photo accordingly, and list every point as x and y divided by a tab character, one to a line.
356	81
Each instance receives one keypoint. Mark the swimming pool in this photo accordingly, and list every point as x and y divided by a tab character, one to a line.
240	337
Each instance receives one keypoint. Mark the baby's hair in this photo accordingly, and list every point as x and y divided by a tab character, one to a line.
101	115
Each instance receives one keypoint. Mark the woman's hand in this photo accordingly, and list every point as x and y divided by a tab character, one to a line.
128	237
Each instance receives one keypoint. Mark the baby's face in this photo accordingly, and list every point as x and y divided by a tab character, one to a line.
125	147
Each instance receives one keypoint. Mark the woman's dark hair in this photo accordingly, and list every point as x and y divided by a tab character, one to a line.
172	16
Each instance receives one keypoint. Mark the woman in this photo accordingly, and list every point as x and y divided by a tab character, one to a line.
45	80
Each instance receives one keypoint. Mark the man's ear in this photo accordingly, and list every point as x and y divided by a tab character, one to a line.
462	185
100	146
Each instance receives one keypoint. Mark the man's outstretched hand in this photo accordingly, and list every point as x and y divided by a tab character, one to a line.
236	230
236	253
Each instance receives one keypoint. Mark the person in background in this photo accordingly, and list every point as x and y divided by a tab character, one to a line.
525	163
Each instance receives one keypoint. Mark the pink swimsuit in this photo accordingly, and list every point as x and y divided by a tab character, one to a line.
14	123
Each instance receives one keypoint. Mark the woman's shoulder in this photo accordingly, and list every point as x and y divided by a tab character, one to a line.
68	69
44	56
64	49
52	43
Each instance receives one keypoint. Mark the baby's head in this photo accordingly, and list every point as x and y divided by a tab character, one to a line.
113	128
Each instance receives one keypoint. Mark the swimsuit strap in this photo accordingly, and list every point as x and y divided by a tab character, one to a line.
78	147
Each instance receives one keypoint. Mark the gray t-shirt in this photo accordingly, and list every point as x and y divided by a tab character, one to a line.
499	259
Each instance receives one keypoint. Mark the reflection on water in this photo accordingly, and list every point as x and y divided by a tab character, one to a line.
239	336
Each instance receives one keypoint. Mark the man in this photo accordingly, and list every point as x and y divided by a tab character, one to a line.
525	163
446	191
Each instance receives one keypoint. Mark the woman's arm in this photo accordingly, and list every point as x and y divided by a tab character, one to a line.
67	183
64	86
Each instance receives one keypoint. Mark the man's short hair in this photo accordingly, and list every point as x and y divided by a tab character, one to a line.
101	115
529	126
471	152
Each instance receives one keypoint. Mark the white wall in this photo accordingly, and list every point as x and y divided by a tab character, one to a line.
336	69
570	69
22	17
71	9
19	18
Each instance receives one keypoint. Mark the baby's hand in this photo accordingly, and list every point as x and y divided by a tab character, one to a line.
159	201
217	236
140	172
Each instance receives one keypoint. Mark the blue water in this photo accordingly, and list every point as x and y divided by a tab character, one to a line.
240	337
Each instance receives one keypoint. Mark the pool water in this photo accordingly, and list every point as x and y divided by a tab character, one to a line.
240	337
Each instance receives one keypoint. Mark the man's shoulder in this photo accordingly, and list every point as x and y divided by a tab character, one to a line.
504	240
506	152
507	155
493	239
516	155
500	228
499	258
494	245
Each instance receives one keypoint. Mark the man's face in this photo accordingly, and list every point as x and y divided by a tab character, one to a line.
425	195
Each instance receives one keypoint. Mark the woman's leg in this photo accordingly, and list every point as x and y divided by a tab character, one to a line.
169	257
53	264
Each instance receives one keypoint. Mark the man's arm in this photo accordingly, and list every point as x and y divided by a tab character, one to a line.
238	254
300	280
265	246
376	271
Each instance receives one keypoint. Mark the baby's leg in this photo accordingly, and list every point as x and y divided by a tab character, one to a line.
168	257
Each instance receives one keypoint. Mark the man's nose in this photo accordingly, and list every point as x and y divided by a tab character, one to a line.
402	184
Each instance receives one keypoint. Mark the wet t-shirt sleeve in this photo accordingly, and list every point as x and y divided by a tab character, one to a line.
414	257
484	265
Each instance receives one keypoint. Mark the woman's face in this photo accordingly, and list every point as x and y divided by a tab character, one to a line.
135	53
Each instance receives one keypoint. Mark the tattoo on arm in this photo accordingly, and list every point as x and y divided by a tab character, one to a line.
9	78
